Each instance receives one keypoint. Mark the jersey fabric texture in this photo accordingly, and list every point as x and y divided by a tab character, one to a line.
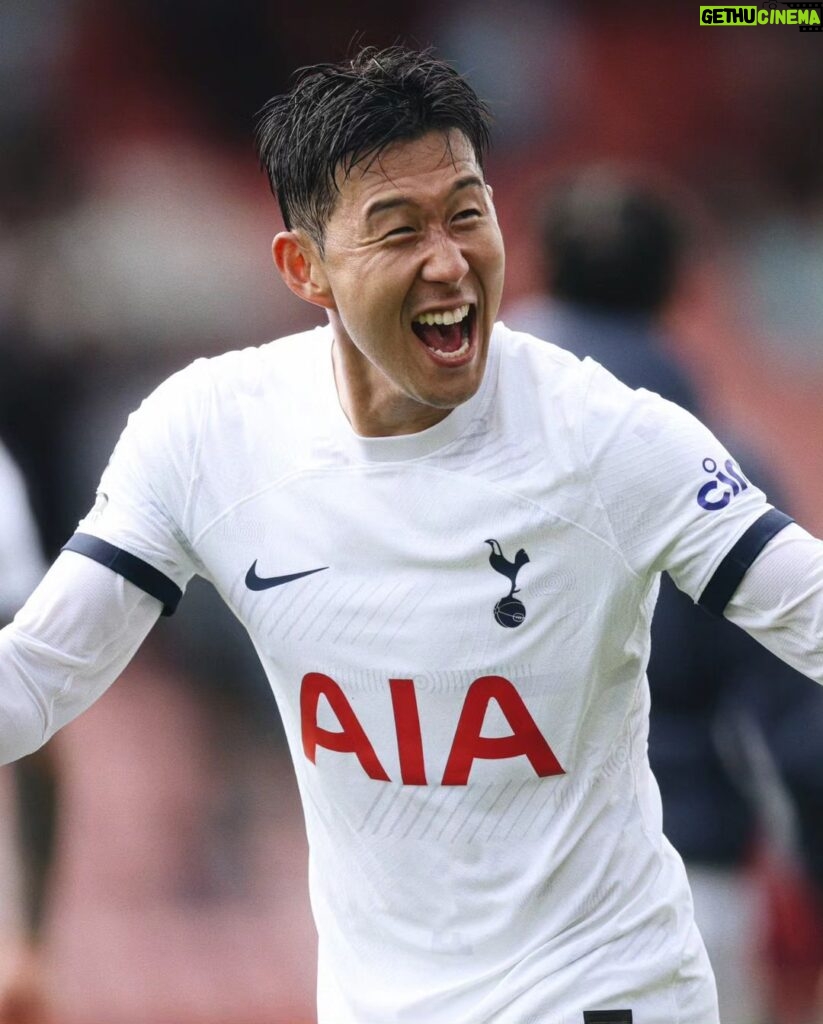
455	624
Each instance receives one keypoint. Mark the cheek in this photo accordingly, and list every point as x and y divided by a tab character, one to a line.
375	282
496	251
370	312
383	292
496	267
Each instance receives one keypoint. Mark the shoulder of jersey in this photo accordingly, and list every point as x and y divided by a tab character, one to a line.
566	391
250	369
230	383
552	367
520	344
249	372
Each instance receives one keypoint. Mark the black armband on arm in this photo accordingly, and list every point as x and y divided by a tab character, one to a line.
131	568
721	587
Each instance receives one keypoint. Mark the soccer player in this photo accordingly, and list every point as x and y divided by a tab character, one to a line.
445	540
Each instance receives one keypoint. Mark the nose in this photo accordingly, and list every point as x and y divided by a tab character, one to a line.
444	261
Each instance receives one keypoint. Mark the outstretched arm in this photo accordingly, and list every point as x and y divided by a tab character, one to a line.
779	601
72	638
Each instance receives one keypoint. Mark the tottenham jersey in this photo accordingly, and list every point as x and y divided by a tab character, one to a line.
455	624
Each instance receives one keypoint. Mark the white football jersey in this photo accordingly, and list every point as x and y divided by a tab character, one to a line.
455	624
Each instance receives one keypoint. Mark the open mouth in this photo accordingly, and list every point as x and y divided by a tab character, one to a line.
447	333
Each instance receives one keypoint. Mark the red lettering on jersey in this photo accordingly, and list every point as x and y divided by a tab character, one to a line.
407	726
351	740
526	738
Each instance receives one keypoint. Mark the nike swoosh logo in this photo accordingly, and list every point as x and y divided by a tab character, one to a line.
255	582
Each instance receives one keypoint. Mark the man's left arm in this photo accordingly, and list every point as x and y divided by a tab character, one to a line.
678	502
779	600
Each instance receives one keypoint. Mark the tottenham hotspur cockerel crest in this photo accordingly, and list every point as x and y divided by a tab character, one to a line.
509	610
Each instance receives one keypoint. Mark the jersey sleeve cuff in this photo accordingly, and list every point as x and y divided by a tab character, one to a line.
726	579
130	567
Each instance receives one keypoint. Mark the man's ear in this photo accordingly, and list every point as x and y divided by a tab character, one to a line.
300	266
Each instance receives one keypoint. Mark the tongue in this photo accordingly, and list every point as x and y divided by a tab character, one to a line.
443	337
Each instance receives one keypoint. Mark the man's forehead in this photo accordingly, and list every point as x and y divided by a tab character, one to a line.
440	156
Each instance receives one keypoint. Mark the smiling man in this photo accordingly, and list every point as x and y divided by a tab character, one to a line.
409	259
445	540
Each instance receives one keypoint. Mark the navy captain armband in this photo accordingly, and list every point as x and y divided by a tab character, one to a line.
130	567
607	1017
721	587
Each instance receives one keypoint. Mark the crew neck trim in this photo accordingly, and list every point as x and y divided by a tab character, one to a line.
403	447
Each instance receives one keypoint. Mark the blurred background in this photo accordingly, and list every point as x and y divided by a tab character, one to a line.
135	230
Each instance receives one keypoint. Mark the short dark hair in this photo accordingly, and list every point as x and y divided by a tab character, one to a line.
338	115
613	242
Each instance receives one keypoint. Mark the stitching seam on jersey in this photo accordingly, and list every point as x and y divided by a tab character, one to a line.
293	475
175	528
541	508
676	971
159	507
439	470
653	841
43	706
593	480
205	405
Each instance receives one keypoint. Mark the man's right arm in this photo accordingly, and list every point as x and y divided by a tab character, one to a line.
67	645
129	561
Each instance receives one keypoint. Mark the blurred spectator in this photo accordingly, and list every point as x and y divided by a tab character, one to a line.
722	707
25	836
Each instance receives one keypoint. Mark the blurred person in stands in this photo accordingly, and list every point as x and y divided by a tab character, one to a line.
27	788
445	539
615	247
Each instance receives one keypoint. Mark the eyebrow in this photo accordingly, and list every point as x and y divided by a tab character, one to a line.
381	205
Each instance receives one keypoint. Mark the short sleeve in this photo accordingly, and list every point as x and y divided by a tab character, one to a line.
138	526
675	498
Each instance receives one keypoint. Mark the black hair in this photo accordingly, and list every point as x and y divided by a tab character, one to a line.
612	243
339	115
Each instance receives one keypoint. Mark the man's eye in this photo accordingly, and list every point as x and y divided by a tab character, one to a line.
469	214
396	232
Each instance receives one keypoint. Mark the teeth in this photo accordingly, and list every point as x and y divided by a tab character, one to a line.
464	348
449	316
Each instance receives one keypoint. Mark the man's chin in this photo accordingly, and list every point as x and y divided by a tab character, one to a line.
453	394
